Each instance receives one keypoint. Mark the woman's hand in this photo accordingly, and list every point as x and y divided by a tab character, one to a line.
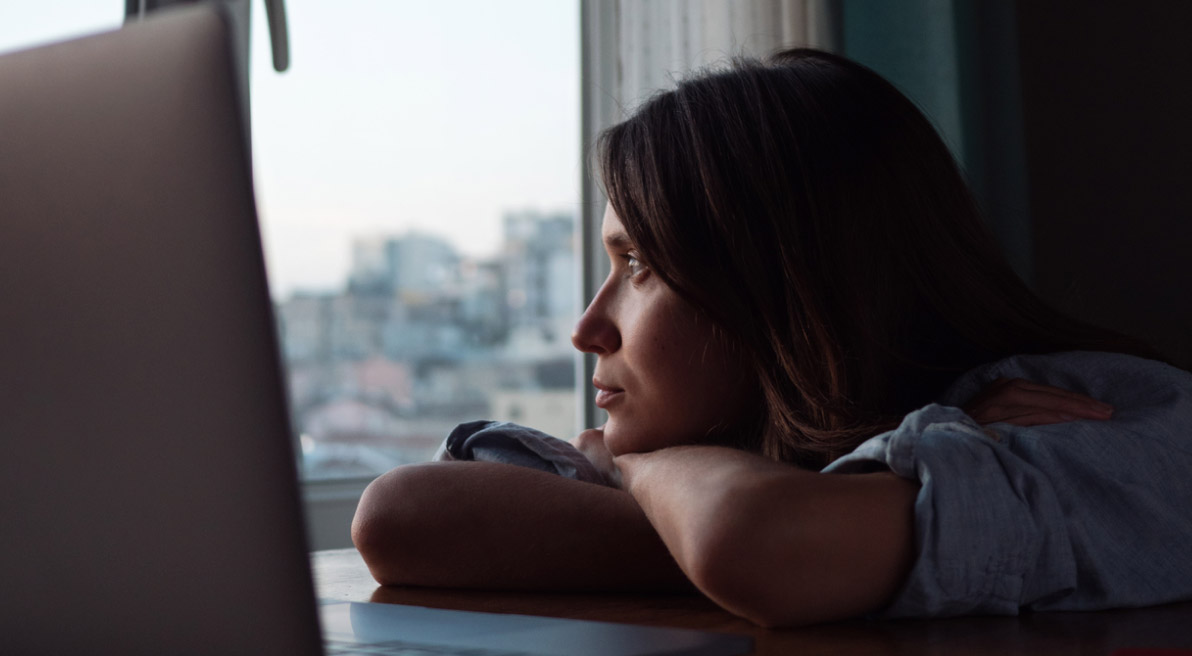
591	444
1023	403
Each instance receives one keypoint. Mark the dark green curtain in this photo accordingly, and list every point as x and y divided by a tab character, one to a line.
958	60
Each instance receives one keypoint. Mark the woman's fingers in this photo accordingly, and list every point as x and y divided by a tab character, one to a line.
1036	418
591	444
1024	403
1024	391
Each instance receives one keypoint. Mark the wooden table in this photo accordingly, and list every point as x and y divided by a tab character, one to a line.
341	574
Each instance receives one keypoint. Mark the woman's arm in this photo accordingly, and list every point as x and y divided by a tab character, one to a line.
770	542
497	526
782	546
775	544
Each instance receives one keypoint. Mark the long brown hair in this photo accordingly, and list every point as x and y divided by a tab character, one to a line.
816	217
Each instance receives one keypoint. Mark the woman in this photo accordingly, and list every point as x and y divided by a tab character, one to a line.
797	264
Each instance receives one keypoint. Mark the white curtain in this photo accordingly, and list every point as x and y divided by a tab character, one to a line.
658	41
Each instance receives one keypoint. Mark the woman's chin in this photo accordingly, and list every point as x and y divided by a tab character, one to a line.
620	442
614	441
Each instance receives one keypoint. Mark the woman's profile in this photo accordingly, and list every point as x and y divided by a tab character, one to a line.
827	393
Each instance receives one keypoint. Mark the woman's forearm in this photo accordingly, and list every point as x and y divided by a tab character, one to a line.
496	526
773	543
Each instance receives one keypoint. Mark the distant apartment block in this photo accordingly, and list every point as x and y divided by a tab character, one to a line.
422	338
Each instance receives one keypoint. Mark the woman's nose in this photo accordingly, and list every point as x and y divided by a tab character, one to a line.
596	332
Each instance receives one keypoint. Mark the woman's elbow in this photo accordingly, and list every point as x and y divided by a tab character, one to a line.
769	581
385	528
735	579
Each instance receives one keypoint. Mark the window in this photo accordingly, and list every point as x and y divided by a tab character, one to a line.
417	175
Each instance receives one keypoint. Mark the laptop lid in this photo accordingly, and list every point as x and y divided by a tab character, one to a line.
148	494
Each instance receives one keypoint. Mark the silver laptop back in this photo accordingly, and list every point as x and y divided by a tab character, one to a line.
148	498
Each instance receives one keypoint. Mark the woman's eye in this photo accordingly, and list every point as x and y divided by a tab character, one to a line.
634	265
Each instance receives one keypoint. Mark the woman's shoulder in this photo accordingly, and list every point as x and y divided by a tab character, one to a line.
1039	516
1125	381
1152	401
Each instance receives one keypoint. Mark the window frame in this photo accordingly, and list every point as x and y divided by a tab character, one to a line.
330	504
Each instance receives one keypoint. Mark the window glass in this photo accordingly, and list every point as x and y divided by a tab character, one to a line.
417	175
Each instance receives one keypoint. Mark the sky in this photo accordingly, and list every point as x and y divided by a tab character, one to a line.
436	116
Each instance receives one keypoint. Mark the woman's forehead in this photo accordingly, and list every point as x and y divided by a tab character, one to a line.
611	221
612	231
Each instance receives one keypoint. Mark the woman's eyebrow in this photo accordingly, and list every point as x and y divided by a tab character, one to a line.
617	241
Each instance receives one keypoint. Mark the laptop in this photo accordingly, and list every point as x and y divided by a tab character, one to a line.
149	499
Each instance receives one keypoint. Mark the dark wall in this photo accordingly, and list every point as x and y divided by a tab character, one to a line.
1107	123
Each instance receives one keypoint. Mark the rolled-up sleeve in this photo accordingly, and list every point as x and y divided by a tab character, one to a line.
1080	515
988	526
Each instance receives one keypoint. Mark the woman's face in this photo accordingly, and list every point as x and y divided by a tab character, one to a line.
661	376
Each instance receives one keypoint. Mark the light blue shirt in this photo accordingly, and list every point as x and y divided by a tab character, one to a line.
1081	515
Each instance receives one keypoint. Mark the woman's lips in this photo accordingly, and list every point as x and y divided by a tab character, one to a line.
606	396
